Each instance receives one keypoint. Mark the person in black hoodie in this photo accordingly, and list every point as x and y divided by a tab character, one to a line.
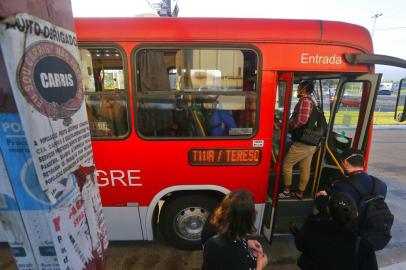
328	242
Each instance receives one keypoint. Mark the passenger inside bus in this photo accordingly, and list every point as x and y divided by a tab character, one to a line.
196	92
299	152
106	103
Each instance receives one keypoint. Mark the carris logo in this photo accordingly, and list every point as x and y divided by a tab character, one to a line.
49	78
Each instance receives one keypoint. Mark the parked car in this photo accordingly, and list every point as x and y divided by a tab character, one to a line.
349	101
385	92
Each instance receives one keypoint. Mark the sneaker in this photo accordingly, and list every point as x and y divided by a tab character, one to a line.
285	195
298	196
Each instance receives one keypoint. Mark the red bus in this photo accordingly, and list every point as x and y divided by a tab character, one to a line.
183	110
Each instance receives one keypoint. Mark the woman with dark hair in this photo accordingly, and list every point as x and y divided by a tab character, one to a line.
229	248
328	242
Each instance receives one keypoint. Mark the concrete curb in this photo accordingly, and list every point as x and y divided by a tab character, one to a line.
397	266
390	127
376	127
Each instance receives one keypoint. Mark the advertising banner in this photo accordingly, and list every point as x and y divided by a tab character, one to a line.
24	206
45	142
48	93
13	225
95	216
72	232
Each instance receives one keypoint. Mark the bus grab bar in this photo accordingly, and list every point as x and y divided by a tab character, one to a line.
335	160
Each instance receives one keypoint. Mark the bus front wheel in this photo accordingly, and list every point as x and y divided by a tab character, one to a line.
182	219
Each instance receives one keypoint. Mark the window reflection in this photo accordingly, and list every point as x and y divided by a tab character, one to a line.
346	117
196	92
106	100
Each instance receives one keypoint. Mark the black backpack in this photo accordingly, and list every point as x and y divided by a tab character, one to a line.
374	217
315	129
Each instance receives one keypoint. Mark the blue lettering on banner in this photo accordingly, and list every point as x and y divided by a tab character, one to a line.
19	164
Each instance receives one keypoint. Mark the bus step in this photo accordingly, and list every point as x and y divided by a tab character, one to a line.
292	212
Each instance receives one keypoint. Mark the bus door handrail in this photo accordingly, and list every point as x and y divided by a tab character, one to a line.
318	165
335	159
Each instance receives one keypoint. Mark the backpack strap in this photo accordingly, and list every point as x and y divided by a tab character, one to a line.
316	116
375	190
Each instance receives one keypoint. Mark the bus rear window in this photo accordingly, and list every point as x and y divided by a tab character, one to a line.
196	92
105	93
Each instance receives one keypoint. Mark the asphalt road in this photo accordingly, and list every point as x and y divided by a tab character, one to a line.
385	103
387	161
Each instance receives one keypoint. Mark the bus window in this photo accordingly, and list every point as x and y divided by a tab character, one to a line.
106	99
347	116
196	92
401	102
329	87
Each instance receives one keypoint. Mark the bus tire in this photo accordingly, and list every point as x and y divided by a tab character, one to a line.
181	220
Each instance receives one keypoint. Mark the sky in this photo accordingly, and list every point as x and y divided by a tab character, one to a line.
389	36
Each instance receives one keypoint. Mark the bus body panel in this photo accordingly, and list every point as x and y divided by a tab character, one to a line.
132	177
308	57
220	30
129	175
137	172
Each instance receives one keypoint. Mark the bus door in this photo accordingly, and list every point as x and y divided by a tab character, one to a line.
350	124
348	109
280	144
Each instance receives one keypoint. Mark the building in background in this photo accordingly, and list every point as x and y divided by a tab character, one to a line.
165	8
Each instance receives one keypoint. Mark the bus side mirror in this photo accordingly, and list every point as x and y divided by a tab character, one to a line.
400	112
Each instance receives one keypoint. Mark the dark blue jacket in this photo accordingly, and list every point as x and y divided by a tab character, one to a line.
364	180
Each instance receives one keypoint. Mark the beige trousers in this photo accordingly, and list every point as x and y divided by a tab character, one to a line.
302	154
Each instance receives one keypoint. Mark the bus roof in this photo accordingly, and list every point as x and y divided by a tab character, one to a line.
223	29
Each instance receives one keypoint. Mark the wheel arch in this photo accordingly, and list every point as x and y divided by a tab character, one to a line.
174	192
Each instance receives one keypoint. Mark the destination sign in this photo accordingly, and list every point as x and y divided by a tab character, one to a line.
224	156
